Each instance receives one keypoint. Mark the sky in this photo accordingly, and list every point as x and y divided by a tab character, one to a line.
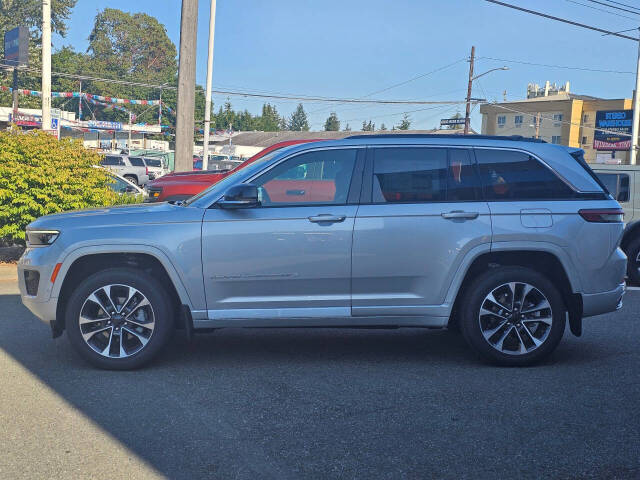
353	48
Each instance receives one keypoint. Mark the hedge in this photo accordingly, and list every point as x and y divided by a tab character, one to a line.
40	174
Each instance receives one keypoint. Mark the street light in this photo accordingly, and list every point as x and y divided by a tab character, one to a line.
471	79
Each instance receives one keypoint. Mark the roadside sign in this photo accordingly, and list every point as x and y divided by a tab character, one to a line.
618	126
55	123
25	120
56	113
16	47
451	121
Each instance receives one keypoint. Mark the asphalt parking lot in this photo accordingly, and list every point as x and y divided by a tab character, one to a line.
320	403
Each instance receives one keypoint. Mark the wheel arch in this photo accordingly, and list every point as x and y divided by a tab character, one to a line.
545	262
83	262
630	233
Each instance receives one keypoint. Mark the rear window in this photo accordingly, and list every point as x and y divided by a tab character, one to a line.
152	162
511	175
137	161
617	184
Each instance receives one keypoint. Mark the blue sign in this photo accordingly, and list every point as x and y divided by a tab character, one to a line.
617	127
54	124
16	47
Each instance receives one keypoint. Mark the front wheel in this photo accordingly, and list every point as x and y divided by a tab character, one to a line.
633	261
513	316
119	318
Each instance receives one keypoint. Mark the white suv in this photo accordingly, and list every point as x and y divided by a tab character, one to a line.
131	168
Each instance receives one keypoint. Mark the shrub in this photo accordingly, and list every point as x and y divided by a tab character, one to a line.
40	175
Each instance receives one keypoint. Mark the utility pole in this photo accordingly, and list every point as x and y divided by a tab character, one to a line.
186	86
14	93
636	114
207	105
46	64
129	144
468	111
160	110
80	103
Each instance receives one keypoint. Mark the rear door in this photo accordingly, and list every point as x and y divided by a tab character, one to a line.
420	215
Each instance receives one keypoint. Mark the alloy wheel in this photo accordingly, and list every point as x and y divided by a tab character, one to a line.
117	321
515	318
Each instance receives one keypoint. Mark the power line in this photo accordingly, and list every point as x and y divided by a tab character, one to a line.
557	66
613	6
570	22
623	4
602	9
413	79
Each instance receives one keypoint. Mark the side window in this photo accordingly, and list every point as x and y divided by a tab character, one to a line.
409	175
320	177
509	175
109	160
137	161
463	182
617	184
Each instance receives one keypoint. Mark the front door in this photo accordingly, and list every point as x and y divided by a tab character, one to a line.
423	215
290	257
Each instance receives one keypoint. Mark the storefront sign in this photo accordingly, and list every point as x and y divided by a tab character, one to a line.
617	127
104	125
25	120
452	121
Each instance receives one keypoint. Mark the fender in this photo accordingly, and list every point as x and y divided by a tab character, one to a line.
174	274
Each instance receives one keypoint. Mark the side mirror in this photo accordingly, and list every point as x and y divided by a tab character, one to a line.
240	196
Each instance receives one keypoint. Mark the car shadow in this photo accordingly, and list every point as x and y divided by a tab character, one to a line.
183	413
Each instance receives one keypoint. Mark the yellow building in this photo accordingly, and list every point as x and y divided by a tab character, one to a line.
565	118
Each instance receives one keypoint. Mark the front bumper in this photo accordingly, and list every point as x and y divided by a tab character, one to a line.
41	260
604	302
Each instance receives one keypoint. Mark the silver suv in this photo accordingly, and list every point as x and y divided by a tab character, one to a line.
500	238
132	168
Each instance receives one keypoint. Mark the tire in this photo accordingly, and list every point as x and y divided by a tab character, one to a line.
525	340
133	332
132	178
633	262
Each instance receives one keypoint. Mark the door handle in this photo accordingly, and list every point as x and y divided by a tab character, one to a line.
295	192
460	214
327	217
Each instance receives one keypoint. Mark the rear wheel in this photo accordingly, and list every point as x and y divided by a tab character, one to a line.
132	178
513	316
633	261
119	318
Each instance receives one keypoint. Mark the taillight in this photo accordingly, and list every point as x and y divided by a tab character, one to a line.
602	215
146	170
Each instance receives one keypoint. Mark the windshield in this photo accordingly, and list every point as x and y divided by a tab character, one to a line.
235	177
152	162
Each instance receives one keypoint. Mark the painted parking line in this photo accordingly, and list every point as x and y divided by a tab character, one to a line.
635	289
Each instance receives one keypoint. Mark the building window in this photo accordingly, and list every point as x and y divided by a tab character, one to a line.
585	118
502	120
584	140
557	117
556	139
518	121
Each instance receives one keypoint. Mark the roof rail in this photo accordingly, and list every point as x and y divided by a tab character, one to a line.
513	138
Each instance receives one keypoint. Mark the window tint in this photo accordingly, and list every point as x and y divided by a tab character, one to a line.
463	182
617	184
409	175
152	162
508	175
109	160
320	177
136	161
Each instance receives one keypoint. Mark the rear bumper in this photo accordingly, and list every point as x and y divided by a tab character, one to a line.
604	302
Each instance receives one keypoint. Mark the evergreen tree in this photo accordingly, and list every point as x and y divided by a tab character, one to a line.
383	127
298	121
283	124
270	120
368	126
405	123
332	124
347	128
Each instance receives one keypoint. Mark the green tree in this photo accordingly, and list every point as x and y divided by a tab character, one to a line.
332	124
347	128
298	121
405	123
270	120
455	127
383	127
368	126
28	13
283	124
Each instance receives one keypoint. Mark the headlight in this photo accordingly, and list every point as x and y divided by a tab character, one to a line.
41	238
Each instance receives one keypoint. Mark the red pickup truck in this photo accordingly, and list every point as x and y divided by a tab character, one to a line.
182	185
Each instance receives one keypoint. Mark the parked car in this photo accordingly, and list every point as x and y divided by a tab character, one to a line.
623	182
503	238
155	167
179	186
122	186
131	168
